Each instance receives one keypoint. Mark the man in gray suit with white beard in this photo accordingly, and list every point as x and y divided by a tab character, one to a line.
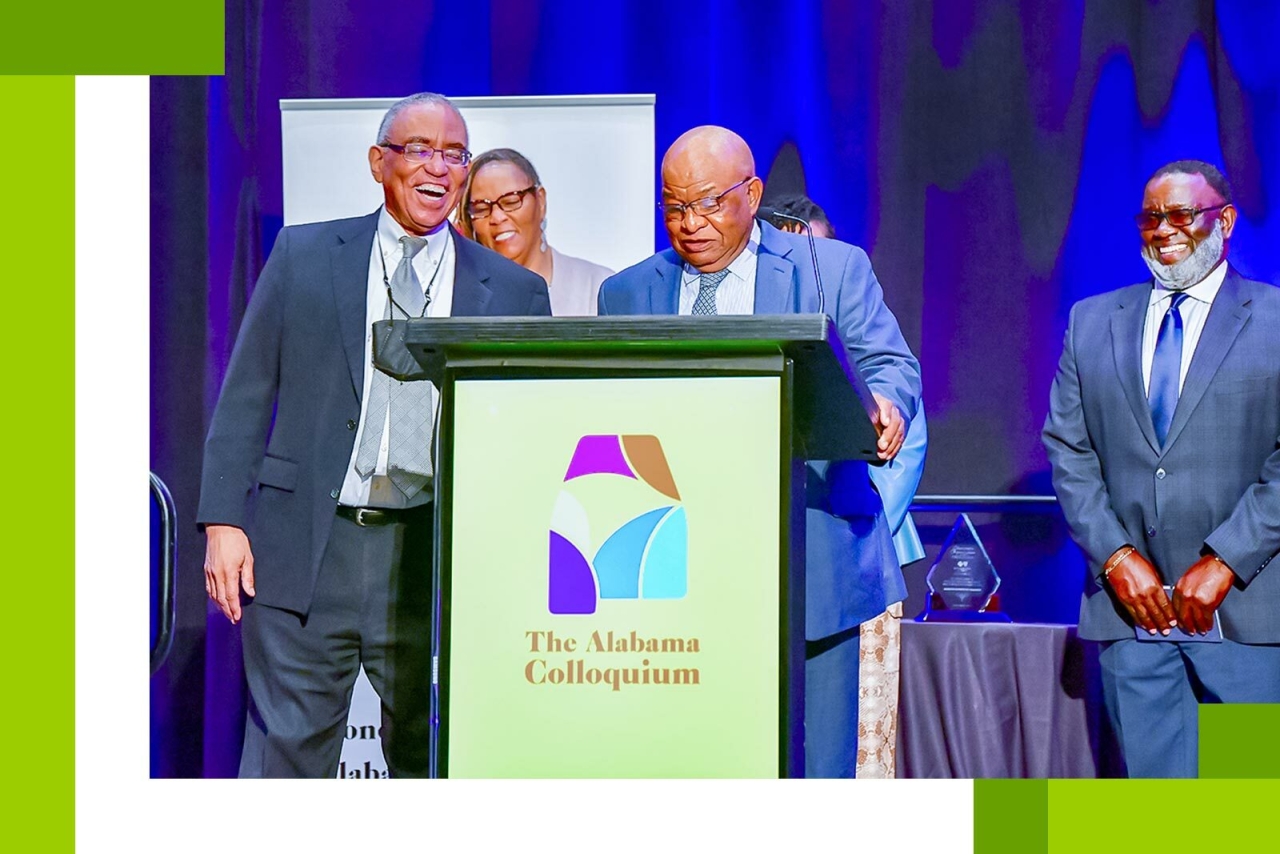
1163	432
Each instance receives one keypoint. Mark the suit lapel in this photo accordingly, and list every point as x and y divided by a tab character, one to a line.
349	261
1127	322
1226	318
777	286
471	291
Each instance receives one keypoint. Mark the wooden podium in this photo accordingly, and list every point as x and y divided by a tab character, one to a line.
620	536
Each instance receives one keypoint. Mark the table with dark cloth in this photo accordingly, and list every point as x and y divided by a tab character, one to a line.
998	700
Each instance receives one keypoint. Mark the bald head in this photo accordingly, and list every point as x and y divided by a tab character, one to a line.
700	151
710	162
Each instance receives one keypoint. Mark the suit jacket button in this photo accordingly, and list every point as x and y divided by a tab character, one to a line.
351	424
1151	531
1160	473
333	493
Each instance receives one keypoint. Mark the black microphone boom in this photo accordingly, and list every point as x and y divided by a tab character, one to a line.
768	213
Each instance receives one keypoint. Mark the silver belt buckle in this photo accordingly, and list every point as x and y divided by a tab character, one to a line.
361	514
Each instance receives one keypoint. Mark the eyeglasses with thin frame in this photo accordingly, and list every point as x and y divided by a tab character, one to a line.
1178	217
509	202
701	207
419	152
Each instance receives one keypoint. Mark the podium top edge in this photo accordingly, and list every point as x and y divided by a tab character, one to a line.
640	100
631	329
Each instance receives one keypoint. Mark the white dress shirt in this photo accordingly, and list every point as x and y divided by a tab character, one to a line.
434	266
737	293
1194	311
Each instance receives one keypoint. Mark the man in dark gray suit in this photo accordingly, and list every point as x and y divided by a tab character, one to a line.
1162	431
338	507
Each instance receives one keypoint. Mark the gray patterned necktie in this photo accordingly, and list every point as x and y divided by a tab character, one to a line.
707	284
409	445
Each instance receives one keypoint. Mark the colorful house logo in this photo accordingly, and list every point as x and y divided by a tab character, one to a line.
618	529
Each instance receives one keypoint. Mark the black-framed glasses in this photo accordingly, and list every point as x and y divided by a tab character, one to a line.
702	207
420	152
509	202
1178	217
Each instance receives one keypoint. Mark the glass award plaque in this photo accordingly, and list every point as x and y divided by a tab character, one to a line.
963	583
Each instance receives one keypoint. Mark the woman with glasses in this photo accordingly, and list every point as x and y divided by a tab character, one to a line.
504	207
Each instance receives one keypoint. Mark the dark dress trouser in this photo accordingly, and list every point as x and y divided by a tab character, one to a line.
1152	693
372	606
831	705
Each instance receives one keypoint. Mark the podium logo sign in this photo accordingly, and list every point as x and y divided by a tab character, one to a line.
618	528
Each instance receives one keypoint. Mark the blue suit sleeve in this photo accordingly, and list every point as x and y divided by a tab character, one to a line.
898	479
602	303
873	337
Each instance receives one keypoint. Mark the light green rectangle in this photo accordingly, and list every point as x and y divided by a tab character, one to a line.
39	631
508	713
1124	816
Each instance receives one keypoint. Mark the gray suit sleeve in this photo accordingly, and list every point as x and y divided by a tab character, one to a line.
1077	473
238	432
1250	536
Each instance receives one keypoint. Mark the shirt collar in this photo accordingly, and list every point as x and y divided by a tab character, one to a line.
1203	291
739	267
390	232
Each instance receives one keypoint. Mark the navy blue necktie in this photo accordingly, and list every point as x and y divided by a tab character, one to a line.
1162	392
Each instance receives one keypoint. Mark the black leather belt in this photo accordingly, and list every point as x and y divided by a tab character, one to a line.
370	517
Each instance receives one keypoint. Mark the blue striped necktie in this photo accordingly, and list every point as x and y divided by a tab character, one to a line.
1166	367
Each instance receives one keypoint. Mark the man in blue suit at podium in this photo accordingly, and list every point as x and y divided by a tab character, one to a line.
896	481
722	261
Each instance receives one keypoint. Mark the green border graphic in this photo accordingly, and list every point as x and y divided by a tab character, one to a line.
37	172
1009	816
1227	809
39	630
1240	745
138	37
1242	742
